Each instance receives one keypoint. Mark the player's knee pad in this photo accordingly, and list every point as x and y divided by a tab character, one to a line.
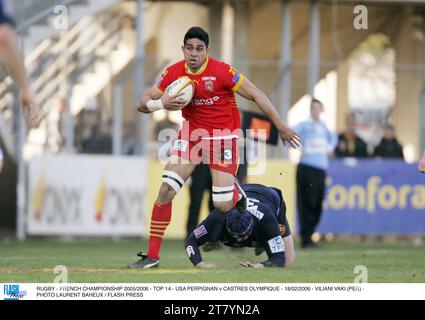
222	194
173	180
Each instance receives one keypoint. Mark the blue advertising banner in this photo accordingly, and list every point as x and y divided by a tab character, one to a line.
373	197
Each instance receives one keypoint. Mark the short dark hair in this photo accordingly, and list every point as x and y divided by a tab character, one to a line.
314	100
388	126
198	33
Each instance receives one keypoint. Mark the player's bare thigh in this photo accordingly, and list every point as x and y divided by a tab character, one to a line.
183	169
224	181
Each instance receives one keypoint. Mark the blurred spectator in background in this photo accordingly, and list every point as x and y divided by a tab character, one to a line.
100	143
389	146
56	126
129	141
318	144
1	159
86	128
421	164
165	123
11	55
349	143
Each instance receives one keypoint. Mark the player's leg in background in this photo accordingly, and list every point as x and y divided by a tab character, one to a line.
201	181
309	197
315	179
320	186
174	176
300	203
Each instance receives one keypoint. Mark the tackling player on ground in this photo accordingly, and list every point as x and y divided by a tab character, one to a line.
263	226
208	135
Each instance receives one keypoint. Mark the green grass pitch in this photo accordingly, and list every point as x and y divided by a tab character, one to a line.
104	261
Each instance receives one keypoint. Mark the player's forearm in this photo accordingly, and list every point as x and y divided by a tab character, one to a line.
150	101
289	251
10	53
192	250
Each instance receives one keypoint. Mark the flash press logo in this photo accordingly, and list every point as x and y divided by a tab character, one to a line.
12	292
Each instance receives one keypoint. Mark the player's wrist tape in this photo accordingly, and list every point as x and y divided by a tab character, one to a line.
154	105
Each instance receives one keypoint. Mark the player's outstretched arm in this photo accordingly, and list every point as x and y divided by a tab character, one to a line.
250	92
421	164
11	55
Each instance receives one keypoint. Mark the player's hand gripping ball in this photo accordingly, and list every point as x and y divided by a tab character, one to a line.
182	87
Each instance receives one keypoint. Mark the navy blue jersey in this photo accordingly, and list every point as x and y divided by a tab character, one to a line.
6	12
270	226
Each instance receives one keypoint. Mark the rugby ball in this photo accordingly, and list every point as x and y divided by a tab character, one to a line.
182	85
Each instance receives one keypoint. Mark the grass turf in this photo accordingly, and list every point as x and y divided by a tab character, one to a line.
104	261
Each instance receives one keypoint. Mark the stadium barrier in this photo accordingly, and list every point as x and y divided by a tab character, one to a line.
84	195
374	197
104	196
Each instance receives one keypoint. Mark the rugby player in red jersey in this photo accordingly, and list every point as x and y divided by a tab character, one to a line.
209	133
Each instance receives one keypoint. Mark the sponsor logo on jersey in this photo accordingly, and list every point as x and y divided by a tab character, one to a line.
200	231
276	244
190	252
209	78
208	102
253	208
209	86
180	145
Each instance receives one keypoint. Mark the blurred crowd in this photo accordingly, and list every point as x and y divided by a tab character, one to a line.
350	144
